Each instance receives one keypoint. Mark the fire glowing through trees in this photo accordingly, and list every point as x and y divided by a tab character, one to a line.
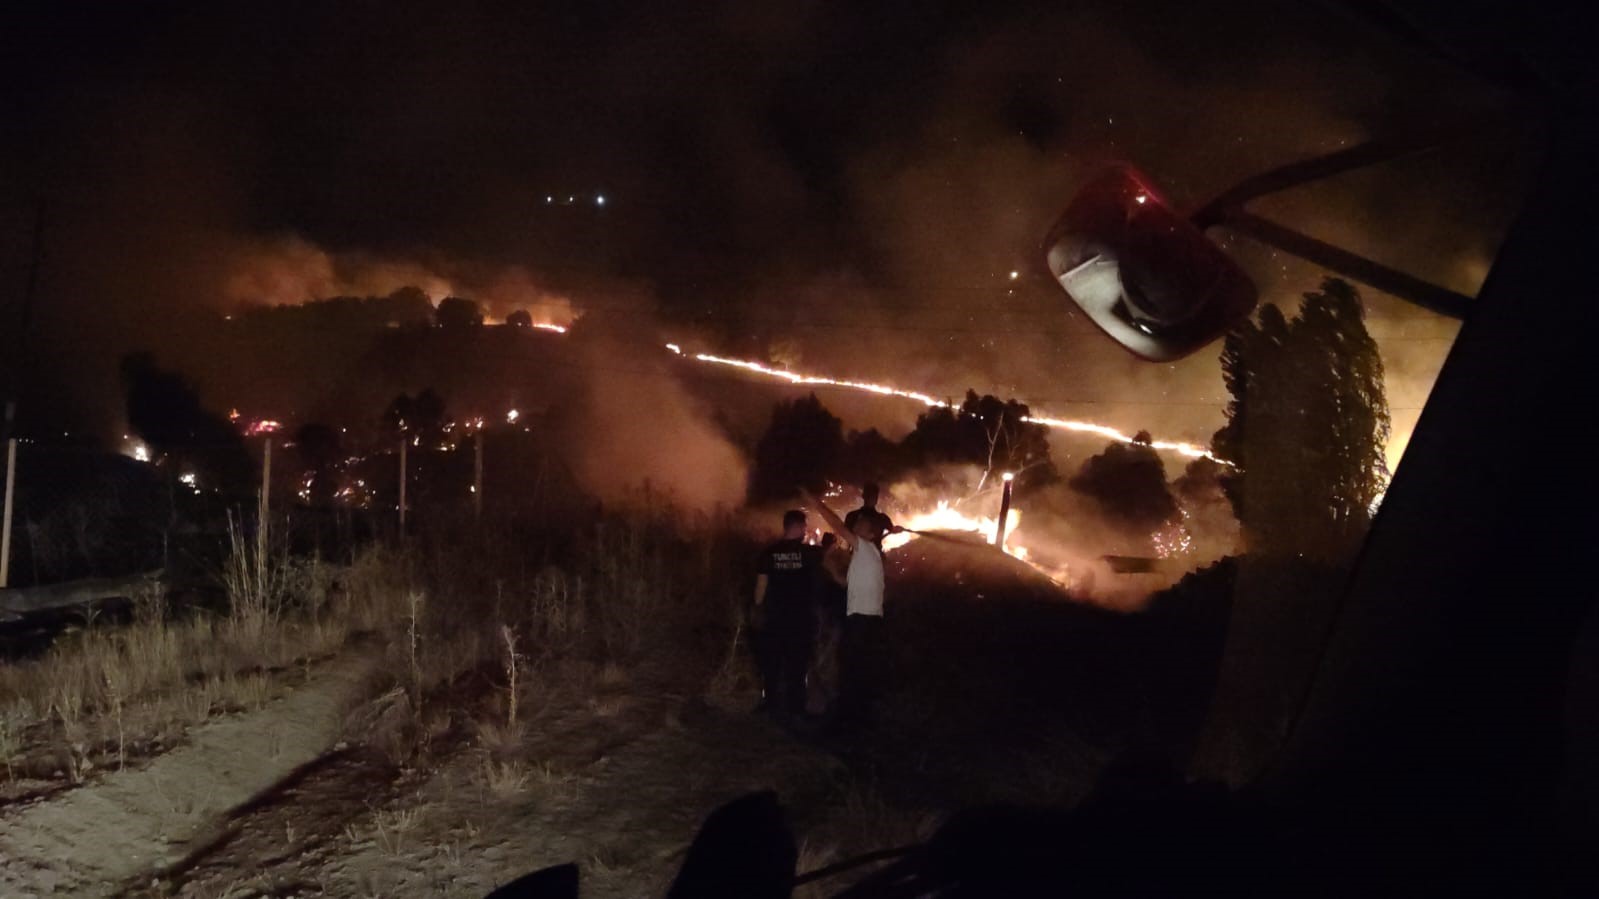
946	516
1083	427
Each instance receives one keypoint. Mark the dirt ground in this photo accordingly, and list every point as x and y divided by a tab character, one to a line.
1001	695
92	839
618	784
275	803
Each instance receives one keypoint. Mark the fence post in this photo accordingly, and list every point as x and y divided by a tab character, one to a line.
402	485
5	516
264	509
477	477
1004	510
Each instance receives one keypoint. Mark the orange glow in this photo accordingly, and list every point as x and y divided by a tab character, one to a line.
946	517
1083	427
1087	427
792	378
1064	424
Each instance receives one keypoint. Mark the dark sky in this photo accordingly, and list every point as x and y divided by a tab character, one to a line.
865	158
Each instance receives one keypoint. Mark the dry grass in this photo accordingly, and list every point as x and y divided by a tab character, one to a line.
861	820
390	827
502	741
504	781
103	696
644	584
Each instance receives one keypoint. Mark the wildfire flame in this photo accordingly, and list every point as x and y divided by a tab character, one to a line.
946	517
1085	427
793	378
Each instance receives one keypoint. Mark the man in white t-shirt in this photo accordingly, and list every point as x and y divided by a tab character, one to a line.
862	656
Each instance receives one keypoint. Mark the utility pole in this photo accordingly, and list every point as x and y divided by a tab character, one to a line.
5	516
1004	510
13	383
264	508
402	485
477	476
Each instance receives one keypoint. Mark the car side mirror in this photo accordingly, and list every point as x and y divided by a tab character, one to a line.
1144	274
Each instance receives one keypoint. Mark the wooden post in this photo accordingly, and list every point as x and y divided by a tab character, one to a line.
5	516
264	509
477	477
402	484
1004	511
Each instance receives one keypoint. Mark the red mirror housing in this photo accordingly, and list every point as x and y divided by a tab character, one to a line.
1146	275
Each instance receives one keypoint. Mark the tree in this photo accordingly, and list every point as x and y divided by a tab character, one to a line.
803	445
985	431
322	456
1128	480
519	319
1201	482
421	417
406	306
868	456
165	411
458	312
1306	427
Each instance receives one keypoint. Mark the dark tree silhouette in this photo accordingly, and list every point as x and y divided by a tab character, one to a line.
165	411
1128	480
803	445
1200	482
1307	426
519	319
322	457
869	456
406	306
422	417
458	312
984	431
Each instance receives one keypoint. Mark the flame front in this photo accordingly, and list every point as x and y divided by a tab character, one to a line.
946	517
793	378
1063	424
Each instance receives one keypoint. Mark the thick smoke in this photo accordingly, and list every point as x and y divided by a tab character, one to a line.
1024	117
633	426
1068	535
290	270
873	238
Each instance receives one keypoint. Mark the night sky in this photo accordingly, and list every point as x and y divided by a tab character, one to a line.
848	183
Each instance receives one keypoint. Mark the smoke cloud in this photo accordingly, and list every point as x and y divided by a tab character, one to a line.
1068	536
871	239
290	270
633	425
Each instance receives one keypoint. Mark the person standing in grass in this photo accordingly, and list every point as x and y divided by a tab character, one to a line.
831	604
862	656
784	586
870	493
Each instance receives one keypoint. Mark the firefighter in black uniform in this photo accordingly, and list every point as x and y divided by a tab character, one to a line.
785	587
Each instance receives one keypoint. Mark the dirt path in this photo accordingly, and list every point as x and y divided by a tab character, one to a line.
92	839
618	786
